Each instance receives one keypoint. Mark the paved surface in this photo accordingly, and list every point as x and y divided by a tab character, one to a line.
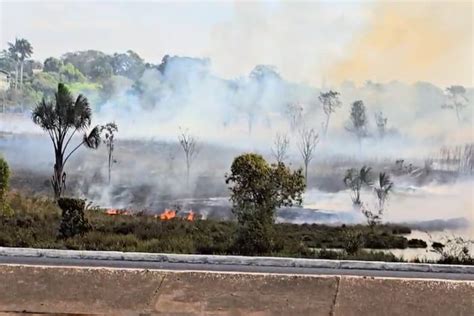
110	291
229	268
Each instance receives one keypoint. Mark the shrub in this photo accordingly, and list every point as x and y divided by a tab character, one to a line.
4	179
353	241
73	221
417	243
455	251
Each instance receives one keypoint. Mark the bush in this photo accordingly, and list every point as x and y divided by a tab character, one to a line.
73	221
353	241
385	241
254	237
417	243
4	179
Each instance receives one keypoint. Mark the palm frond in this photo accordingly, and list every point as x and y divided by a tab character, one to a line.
92	140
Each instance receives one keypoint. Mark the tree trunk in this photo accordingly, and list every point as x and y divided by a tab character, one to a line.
21	74
58	180
457	114
16	76
326	126
306	173
188	167
110	164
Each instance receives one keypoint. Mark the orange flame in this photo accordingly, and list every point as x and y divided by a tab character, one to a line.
190	216
115	211
167	215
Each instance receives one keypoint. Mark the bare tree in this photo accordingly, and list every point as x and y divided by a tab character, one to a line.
295	114
190	148
456	100
381	122
329	102
280	147
109	129
308	141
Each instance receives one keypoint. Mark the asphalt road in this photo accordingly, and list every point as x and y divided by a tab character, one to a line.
41	261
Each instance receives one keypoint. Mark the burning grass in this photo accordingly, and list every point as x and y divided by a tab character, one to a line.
36	221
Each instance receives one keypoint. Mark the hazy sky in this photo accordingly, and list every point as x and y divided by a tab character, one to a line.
307	40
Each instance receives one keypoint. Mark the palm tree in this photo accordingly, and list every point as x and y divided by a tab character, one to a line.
24	50
355	180
385	185
13	54
62	119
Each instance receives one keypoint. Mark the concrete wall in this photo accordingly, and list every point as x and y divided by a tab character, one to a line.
132	292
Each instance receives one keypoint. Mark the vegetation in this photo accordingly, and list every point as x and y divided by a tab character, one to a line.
190	147
456	100
73	221
280	147
4	180
355	180
109	131
330	102
382	191
358	121
257	190
308	141
62	119
36	222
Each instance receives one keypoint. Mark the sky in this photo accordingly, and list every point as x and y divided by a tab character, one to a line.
308	41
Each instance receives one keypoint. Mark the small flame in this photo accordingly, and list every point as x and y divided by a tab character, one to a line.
190	216
167	215
115	211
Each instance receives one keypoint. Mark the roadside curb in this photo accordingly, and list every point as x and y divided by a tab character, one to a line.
235	260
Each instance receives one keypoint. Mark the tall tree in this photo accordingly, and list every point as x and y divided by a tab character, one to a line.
329	102
295	114
308	141
358	121
62	119
381	122
109	131
456	100
257	189
189	144
23	50
14	55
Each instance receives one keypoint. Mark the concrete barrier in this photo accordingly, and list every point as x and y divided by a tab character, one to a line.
111	291
236	260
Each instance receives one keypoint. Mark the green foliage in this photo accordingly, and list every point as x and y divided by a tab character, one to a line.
358	120
45	82
95	65
69	73
353	241
355	180
4	182
36	220
129	65
257	190
52	64
73	221
417	243
62	119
